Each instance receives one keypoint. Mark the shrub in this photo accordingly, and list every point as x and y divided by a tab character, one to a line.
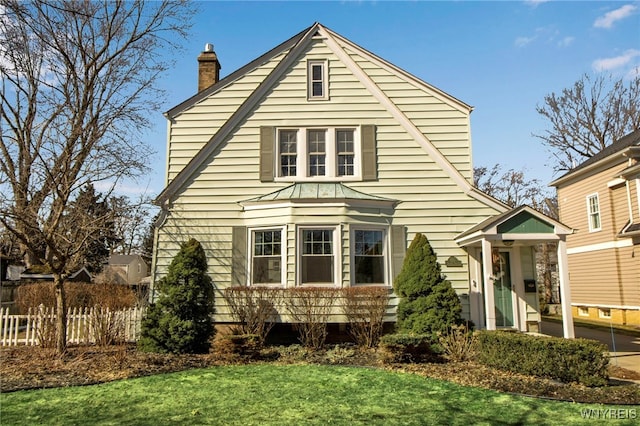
254	309
364	308
568	360
400	347
180	321
459	343
310	310
247	345
428	304
79	295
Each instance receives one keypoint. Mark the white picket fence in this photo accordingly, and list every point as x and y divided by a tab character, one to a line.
84	326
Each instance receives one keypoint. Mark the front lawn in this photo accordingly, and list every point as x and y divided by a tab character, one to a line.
289	394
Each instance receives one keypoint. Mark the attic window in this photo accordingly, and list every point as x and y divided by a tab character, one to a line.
317	80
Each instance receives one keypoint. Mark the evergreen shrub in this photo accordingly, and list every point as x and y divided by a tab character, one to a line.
180	320
568	360
428	304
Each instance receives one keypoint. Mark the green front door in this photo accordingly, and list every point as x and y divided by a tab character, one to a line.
502	293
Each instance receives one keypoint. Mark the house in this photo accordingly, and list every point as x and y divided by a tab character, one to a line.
81	275
127	269
318	162
600	198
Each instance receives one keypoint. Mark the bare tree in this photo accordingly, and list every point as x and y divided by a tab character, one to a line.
131	220
586	118
78	85
511	187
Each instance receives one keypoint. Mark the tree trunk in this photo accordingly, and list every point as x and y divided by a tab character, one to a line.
61	314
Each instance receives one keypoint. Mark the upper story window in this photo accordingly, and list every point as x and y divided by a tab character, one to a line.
593	212
319	153
317	80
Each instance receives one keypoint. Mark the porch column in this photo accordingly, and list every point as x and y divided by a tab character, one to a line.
487	282
565	291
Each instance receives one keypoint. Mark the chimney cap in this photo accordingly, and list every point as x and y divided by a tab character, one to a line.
208	47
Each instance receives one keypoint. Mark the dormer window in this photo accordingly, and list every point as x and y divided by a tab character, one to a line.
317	78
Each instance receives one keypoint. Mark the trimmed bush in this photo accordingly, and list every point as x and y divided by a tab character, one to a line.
180	321
568	360
397	348
364	308
254	309
428	304
310	310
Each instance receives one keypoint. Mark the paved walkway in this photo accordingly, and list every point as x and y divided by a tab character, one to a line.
624	349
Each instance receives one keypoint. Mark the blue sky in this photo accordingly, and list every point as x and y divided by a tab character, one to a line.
500	57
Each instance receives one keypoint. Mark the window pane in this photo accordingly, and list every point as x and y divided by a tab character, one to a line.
317	90
317	256
288	150
368	247
316	72
266	257
345	149
317	152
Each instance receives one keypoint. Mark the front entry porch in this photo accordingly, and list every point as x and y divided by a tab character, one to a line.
502	269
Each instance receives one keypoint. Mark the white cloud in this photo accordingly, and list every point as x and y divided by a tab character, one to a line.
609	18
535	3
523	41
607	64
566	42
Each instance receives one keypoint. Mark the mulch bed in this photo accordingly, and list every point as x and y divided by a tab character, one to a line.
32	367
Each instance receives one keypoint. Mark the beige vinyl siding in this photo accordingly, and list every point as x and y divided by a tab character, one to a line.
430	201
573	208
605	277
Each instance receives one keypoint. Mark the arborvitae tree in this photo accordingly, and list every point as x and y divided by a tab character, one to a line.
180	320
428	304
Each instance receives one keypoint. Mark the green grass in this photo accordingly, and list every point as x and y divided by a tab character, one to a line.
284	395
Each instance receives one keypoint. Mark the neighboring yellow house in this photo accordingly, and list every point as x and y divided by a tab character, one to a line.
318	162
600	198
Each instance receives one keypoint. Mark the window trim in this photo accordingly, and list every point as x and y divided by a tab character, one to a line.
324	63
337	254
583	311
591	215
283	255
331	155
386	253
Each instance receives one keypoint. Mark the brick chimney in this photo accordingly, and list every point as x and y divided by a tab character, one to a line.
208	68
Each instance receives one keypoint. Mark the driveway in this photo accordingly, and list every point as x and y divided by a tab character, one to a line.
624	349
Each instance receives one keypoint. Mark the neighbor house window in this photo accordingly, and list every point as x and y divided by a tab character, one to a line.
583	311
604	313
593	206
368	246
317	256
319	153
267	256
317	74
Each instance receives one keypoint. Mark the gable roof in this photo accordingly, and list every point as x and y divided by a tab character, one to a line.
296	46
494	226
611	151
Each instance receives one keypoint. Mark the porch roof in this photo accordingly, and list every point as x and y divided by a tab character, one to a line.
518	224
